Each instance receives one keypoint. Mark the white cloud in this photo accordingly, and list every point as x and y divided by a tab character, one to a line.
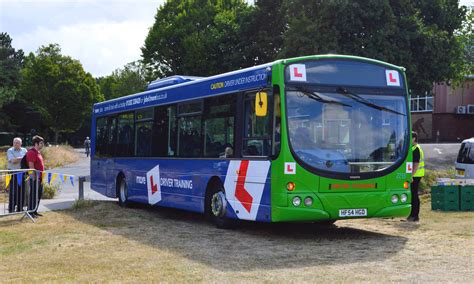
101	46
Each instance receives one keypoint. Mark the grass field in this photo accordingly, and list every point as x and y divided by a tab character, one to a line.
98	241
53	157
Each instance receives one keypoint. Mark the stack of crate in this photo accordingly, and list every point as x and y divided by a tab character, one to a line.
453	195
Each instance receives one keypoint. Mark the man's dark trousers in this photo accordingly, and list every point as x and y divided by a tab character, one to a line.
415	199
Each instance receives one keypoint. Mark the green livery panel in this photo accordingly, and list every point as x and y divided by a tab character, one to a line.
358	164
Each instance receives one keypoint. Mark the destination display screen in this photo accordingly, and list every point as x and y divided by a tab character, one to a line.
343	73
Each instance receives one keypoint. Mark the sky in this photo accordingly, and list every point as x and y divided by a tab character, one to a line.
104	35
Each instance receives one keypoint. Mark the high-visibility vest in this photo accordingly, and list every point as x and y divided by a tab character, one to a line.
420	172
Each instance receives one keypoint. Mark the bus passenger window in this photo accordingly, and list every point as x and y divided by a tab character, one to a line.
101	137
164	132
189	130
218	120
257	130
126	143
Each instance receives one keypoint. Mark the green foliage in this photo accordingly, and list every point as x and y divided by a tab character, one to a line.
196	37
11	61
205	37
416	34
59	88
465	37
122	82
431	176
50	190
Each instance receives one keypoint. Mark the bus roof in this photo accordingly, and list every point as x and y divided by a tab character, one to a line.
182	88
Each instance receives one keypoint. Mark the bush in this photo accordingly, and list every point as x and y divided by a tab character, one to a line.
431	175
50	190
3	160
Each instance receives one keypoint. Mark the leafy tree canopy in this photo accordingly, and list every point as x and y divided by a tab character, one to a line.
416	34
11	62
123	82
58	88
196	37
205	37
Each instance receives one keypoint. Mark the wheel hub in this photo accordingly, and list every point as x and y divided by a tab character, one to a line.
218	204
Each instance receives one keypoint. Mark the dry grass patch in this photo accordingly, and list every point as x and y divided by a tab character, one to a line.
98	241
55	157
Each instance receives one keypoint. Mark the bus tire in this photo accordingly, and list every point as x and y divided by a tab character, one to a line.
122	192
217	203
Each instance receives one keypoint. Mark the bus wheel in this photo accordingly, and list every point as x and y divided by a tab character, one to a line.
123	193
217	210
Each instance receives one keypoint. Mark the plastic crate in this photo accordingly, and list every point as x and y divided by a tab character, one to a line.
467	198
445	198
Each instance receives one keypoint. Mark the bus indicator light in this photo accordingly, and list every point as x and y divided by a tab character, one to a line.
290	186
406	185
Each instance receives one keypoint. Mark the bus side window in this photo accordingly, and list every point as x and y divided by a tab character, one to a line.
164	132
101	137
219	117
111	136
276	121
189	130
126	141
257	130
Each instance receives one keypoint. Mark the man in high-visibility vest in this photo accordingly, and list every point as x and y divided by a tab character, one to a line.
418	173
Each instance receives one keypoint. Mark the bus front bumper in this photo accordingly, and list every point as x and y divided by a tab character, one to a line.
298	214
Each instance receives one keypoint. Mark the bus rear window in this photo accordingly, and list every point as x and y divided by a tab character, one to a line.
466	154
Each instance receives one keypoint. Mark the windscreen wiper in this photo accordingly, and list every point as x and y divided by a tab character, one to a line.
316	97
363	101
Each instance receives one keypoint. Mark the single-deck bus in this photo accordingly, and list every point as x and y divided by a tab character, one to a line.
315	138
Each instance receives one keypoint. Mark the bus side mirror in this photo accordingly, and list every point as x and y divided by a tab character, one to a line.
261	104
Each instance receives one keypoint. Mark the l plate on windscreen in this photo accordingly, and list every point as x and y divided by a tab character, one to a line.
359	212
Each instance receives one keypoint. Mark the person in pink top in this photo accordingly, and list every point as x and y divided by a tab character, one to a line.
35	161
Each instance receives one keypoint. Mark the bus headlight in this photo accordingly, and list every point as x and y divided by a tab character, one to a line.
296	201
308	201
394	198
403	198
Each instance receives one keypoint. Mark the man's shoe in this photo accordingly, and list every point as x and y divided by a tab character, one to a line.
413	219
38	214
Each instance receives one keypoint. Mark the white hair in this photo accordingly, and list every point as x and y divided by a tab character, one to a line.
17	139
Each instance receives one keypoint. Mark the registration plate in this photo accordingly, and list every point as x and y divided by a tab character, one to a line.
460	173
353	212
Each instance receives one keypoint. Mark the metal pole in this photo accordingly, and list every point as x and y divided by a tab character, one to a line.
81	187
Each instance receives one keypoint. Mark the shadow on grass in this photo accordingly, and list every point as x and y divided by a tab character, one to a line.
251	246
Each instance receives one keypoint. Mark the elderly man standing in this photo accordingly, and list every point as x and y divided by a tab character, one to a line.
16	193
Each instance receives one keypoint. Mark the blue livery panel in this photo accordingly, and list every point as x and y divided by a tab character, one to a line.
182	184
224	84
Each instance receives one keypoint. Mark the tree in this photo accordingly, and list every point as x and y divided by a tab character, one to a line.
196	37
465	37
262	31
11	62
123	82
416	34
59	88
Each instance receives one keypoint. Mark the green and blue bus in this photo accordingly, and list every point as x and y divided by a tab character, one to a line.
314	138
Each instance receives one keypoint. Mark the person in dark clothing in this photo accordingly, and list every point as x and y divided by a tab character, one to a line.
418	173
87	146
